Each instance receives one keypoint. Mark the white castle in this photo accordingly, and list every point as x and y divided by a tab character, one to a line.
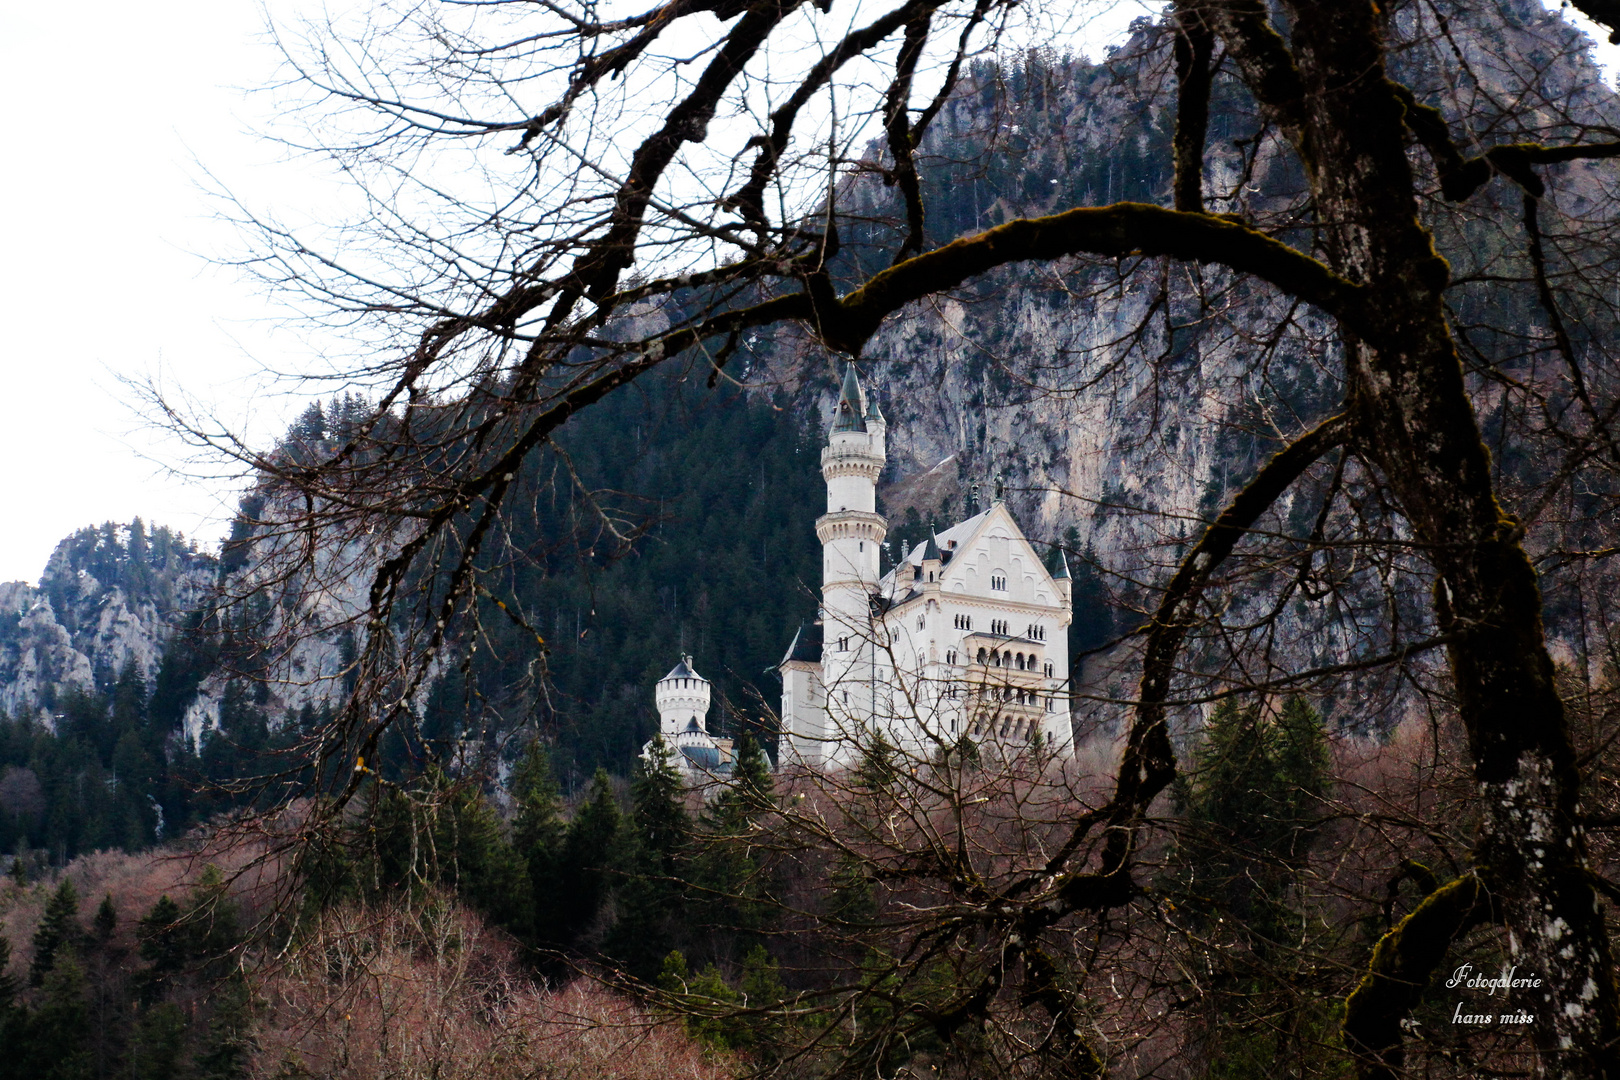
683	698
965	636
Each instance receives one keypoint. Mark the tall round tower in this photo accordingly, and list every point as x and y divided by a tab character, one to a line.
851	534
683	700
851	530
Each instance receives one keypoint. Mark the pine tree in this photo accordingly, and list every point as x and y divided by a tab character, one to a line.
160	1040
651	905
8	981
729	868
58	933
225	1050
1249	815
165	937
658	808
538	834
58	1041
588	853
476	859
106	920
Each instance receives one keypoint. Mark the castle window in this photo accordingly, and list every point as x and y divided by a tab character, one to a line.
1048	667
921	623
998	582
981	656
843	644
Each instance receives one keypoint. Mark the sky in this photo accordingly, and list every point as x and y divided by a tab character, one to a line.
121	113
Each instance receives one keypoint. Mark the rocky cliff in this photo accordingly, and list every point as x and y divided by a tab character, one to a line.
110	598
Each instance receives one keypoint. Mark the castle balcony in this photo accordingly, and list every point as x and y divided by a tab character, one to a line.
993	656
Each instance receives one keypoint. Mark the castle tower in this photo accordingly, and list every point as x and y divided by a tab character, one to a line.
851	534
683	698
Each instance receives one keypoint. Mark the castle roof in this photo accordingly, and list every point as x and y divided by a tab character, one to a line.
851	413
806	646
683	670
938	547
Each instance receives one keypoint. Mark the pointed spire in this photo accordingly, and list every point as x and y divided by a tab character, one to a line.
1062	571
932	550
851	410
873	413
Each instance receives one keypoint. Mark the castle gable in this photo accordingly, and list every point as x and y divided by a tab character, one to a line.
987	556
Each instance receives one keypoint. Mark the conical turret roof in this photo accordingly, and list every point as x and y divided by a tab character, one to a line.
873	413
683	670
1062	571
851	410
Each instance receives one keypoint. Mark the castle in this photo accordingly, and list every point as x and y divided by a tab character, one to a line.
966	636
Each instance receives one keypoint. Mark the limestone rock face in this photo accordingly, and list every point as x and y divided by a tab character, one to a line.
110	597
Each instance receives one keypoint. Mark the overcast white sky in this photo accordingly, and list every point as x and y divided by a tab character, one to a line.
113	104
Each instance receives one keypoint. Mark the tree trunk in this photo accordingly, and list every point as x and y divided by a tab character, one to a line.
1417	425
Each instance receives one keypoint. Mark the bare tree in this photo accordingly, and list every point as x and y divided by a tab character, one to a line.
556	202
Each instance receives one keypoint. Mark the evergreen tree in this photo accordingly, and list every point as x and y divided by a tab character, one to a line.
538	834
211	919
106	920
165	938
588	854
1249	817
160	1040
8	981
477	860
59	931
730	869
57	1046
658	809
651	907
225	1049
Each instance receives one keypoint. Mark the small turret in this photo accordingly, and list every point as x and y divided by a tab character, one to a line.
1065	583
683	698
931	561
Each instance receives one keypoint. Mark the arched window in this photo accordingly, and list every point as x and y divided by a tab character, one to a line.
981	656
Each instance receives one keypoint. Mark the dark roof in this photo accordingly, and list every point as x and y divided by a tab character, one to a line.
849	415
931	551
872	410
1062	571
806	645
682	670
706	758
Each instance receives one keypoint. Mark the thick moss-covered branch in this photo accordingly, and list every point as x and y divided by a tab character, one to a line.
1120	230
1403	962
